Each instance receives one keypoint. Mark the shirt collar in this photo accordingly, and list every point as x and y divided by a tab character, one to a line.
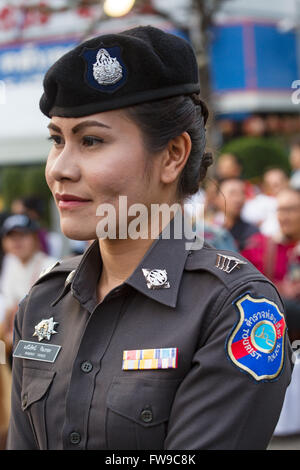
166	253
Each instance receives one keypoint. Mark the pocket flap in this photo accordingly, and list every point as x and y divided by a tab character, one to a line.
146	401
34	386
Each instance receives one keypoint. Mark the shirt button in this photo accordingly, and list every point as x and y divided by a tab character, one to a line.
86	367
147	416
75	437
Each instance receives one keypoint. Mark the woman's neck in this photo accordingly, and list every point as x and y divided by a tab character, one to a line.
120	258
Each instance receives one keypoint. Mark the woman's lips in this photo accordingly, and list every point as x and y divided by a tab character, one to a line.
70	201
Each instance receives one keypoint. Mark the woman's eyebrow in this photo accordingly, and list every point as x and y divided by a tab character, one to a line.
84	124
54	127
79	126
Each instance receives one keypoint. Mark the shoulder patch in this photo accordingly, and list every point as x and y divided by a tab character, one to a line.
256	344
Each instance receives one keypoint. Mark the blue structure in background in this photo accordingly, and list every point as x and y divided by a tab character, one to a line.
246	57
227	58
276	57
253	56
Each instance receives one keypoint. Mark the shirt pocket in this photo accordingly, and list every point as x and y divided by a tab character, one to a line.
138	410
35	389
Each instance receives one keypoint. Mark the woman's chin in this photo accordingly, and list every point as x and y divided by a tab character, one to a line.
77	232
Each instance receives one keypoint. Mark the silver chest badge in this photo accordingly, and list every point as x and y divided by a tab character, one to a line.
156	278
106	70
45	329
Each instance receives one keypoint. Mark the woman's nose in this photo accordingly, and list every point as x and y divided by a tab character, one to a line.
65	165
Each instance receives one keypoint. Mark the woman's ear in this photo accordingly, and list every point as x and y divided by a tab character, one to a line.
175	158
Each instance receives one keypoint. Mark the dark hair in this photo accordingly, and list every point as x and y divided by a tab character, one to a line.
34	203
163	120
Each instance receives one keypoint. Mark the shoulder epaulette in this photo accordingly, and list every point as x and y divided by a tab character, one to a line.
228	266
64	266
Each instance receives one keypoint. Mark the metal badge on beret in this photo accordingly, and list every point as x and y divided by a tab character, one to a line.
45	329
156	278
106	70
228	263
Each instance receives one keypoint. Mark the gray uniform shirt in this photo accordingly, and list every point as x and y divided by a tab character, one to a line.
85	400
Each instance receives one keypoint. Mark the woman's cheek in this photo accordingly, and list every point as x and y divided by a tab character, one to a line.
49	179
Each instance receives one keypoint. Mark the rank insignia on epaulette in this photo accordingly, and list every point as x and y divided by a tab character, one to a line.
228	263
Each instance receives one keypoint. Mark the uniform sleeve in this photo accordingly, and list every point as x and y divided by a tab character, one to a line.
20	435
220	405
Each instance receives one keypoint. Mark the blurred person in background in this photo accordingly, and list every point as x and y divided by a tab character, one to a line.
34	207
229	166
289	284
218	237
286	261
5	374
294	159
21	263
261	210
3	260
230	201
21	243
278	258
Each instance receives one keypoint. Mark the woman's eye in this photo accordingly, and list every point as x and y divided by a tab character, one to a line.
89	141
55	139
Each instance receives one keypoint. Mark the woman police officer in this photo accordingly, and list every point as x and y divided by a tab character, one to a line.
140	343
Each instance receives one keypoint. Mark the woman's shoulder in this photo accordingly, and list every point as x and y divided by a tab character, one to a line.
226	266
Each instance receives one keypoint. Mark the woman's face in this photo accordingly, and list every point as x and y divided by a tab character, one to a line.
94	160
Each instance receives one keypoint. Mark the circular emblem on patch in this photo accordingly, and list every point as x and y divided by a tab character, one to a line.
263	336
256	344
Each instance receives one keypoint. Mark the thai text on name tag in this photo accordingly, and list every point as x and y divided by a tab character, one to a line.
36	351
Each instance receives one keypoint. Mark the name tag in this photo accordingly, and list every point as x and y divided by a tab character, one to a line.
36	351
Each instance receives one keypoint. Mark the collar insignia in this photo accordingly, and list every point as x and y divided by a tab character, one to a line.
228	263
69	279
48	269
45	329
156	278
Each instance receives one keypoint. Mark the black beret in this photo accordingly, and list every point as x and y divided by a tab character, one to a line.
118	70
